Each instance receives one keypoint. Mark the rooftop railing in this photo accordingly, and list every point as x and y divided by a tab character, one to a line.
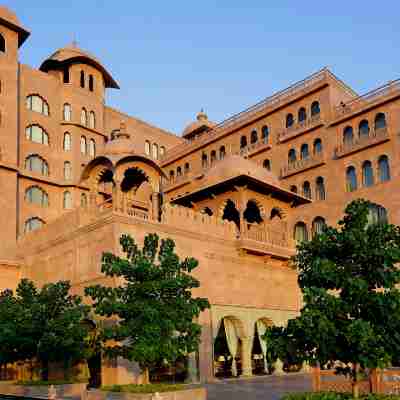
300	165
270	102
375	136
370	98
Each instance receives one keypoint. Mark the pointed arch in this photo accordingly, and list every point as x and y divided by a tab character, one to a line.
229	212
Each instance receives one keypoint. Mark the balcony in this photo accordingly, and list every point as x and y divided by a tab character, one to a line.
267	240
300	128
255	148
375	137
368	100
177	182
302	165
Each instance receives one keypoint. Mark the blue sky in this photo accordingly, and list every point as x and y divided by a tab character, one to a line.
172	58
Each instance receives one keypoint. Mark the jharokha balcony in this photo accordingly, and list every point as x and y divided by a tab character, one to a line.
375	136
299	128
295	167
255	148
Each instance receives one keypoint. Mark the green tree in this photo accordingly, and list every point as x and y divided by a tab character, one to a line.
46	324
348	277
153	307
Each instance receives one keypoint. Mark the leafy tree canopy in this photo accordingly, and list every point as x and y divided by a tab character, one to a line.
348	277
152	305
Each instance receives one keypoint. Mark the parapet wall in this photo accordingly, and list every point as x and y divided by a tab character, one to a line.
186	218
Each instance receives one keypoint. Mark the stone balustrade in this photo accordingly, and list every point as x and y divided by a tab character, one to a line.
301	165
375	136
299	128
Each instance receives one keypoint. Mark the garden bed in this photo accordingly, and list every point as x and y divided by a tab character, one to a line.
337	396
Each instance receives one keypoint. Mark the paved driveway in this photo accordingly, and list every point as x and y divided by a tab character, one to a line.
261	388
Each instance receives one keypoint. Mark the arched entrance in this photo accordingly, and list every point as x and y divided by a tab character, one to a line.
259	354
231	213
228	348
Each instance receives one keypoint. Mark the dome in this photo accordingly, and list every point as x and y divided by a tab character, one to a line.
73	55
202	123
11	21
8	15
120	143
235	165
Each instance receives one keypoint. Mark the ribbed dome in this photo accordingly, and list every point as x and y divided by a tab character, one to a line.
73	54
201	123
8	15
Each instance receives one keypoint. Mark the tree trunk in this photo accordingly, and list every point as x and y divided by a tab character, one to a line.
355	383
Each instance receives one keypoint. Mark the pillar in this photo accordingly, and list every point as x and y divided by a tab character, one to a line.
278	367
192	375
247	369
155	206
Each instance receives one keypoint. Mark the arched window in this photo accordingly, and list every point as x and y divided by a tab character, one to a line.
67	171
92	120
67	112
213	156
91	83
317	146
315	109
37	104
37	134
207	211
300	232
253	137
204	160
367	174
243	142
162	151
265	134
377	214
318	226
67	200
154	148
32	224
276	213
351	179
320	188
65	74
231	213
84	117
179	171
292	156
67	141
380	121
83	145
293	189
92	148
171	176
348	136
35	163
82	79
147	147
2	44
304	153
363	129
36	195
289	120
307	190
302	115
222	152
83	200
267	165
187	168
383	169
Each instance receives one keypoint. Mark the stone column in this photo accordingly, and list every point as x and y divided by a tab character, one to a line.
155	206
247	343
278	367
116	197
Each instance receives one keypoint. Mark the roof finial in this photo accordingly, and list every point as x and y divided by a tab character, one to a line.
74	41
201	116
